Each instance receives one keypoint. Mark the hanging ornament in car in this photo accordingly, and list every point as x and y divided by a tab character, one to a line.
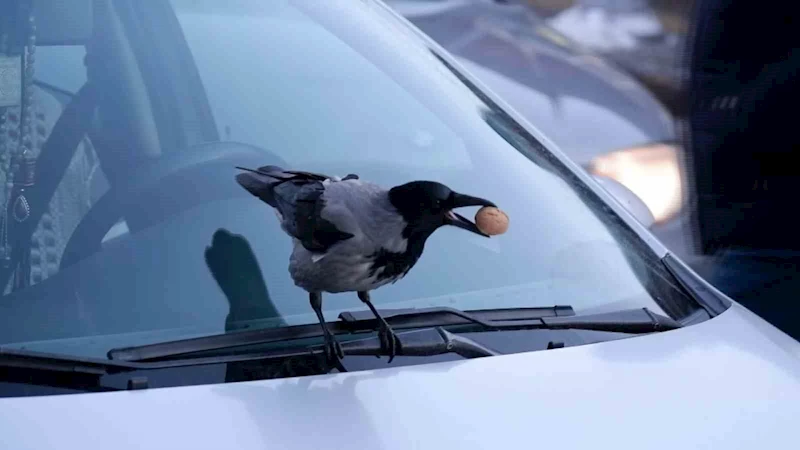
24	178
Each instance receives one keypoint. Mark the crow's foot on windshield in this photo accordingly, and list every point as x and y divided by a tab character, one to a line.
333	350
390	344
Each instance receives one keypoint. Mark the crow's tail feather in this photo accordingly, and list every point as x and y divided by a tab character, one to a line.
261	183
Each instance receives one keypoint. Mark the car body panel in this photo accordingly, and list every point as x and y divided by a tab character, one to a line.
730	382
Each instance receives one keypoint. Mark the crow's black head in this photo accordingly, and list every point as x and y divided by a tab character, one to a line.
427	205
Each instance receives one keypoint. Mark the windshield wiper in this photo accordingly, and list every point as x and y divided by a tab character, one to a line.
349	323
633	321
85	374
46	369
430	338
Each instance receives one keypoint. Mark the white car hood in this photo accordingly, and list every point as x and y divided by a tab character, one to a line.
729	383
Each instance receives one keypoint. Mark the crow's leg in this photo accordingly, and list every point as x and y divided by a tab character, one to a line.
333	350
389	341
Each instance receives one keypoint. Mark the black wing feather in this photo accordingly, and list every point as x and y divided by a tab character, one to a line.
308	175
297	195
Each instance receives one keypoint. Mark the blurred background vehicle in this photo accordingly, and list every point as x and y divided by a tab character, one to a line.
647	38
601	116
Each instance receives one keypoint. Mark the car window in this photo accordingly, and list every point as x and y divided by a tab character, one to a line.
329	87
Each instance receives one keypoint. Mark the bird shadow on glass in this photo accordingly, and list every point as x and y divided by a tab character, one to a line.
234	266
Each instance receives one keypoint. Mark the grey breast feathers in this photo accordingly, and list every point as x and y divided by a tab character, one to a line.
363	209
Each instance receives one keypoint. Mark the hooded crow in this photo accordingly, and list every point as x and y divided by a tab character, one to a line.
351	235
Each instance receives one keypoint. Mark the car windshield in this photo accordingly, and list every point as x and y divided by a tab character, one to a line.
122	171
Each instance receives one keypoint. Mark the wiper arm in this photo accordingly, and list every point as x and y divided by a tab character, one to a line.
425	342
561	317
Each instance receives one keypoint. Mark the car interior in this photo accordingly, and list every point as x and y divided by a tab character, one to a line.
103	170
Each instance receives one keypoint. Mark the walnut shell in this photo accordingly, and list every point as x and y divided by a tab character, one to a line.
491	220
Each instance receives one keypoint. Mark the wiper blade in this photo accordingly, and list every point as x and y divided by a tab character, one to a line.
48	362
349	323
560	317
640	320
45	369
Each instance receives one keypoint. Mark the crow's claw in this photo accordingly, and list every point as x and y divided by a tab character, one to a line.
334	353
390	344
389	341
333	350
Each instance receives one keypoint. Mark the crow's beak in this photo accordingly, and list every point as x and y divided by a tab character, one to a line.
457	220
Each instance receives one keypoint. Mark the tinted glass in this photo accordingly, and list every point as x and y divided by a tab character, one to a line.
330	87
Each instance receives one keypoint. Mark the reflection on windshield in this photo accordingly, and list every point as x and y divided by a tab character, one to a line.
658	282
653	276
